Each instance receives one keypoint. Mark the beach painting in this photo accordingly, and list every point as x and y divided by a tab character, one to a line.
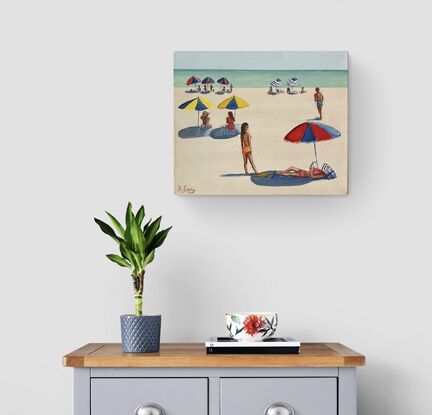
261	123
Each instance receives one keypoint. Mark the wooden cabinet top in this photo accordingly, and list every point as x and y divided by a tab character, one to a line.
194	355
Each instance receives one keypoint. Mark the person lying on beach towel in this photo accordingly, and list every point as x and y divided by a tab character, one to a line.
313	172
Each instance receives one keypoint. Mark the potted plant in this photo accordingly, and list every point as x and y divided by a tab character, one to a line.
137	245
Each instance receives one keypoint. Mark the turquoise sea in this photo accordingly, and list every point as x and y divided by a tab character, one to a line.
262	78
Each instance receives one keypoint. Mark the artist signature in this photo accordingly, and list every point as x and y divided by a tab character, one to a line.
185	189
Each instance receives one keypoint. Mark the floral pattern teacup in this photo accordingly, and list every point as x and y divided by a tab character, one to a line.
251	326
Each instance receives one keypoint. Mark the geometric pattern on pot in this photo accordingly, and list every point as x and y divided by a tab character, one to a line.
140	334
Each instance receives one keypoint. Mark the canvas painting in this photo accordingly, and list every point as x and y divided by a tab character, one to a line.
261	123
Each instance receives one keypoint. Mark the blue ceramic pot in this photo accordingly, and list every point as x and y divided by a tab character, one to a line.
140	334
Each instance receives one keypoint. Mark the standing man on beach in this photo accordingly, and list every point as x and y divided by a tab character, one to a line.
319	99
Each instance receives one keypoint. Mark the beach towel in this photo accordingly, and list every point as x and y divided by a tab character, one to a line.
194	132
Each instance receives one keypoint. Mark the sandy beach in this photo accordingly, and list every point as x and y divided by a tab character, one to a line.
200	163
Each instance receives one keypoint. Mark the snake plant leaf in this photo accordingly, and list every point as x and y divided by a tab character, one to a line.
151	230
159	239
108	230
129	215
119	260
140	215
117	225
149	258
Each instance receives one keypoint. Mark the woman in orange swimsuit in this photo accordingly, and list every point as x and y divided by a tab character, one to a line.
230	121
313	172
246	146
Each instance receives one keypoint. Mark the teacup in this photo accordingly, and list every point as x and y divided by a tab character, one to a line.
251	326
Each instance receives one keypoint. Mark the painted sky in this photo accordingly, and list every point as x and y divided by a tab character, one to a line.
262	60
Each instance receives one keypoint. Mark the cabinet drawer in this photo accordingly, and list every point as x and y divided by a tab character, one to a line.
251	396
121	396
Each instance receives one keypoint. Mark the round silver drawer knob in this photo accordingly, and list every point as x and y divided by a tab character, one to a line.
150	409
279	408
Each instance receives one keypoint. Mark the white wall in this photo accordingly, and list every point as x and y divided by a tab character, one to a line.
86	125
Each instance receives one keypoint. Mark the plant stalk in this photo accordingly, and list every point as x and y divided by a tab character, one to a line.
138	283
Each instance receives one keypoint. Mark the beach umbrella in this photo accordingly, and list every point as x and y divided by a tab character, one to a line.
223	81
197	104
310	132
294	82
193	80
207	80
277	83
233	103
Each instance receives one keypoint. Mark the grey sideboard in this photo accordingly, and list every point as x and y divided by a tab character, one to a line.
183	380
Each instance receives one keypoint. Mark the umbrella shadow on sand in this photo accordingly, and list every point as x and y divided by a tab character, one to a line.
221	133
237	175
273	179
194	132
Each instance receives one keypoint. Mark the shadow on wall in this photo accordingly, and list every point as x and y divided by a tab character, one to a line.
387	399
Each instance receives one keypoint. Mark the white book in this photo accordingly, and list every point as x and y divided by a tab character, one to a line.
271	342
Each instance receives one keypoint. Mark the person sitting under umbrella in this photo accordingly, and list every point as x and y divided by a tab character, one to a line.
205	120
313	172
230	121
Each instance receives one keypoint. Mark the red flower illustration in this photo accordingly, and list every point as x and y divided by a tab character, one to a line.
252	324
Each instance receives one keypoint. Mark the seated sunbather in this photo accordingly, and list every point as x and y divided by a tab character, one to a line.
230	121
205	120
313	172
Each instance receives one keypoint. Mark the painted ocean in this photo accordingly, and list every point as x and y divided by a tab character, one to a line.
262	78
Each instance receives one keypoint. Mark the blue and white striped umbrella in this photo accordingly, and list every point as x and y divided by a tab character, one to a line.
277	83
294	82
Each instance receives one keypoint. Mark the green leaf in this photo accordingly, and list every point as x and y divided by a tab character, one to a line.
149	258
152	229
117	225
125	252
159	239
236	319
108	230
119	260
140	215
129	214
137	237
133	258
147	225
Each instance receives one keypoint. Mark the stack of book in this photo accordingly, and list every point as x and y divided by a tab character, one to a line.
272	345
